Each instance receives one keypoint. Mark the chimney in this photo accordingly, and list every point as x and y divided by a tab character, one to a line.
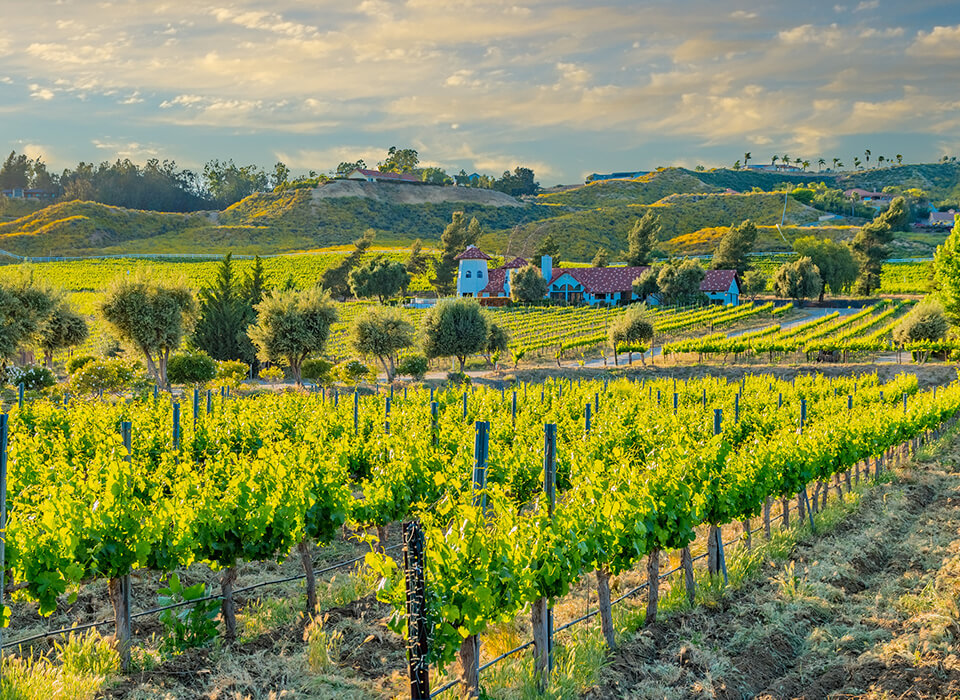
546	267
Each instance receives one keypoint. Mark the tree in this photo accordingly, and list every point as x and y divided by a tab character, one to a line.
746	158
899	158
291	325
280	176
455	238
798	280
498	342
646	284
346	168
379	277
925	322
228	183
754	284
632	328
193	367
435	176
870	250
15	172
520	182
946	263
735	247
527	285
835	261
897	215
151	317
600	259
23	307
399	160
820	163
416	261
336	280
454	328
381	333
548	245
223	316
680	284
642	239
63	328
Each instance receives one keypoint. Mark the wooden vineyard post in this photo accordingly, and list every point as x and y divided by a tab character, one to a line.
747	532
434	423
686	561
470	647
196	407
20	396
209	401
513	407
785	512
542	616
653	585
176	425
119	588
586	419
356	410
465	405
417	665
4	436
386	414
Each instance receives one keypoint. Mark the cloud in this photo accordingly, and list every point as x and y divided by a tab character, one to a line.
809	34
941	43
264	22
132	150
326	159
76	55
41	93
132	99
743	14
35	150
867	5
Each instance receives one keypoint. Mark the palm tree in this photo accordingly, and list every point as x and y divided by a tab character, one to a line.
785	159
805	164
774	159
835	163
856	162
838	162
899	159
880	160
820	164
866	152
746	158
736	165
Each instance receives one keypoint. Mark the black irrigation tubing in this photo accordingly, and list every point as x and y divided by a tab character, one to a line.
450	684
185	603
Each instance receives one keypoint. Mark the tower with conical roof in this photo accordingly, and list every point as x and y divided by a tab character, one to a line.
472	274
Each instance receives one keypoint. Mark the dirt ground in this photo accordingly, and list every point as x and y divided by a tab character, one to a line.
869	610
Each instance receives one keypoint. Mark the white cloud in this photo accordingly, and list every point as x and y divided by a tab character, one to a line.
572	74
132	99
133	150
940	42
887	33
264	22
743	14
867	5
810	34
35	150
38	92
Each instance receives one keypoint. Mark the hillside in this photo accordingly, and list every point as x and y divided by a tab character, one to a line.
580	233
642	190
941	180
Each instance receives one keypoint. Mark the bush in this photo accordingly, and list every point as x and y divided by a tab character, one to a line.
194	367
317	370
353	371
111	376
190	625
272	375
926	321
75	363
458	378
232	372
33	377
413	366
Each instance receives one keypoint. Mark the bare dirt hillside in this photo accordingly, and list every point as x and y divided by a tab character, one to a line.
391	193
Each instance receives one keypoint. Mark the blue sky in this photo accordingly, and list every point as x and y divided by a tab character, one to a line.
565	87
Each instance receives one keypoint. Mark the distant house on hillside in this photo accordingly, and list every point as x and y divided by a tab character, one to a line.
25	193
941	219
377	176
607	286
868	197
616	176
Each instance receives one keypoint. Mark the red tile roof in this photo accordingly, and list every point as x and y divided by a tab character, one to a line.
495	280
515	264
404	177
602	280
472	253
718	280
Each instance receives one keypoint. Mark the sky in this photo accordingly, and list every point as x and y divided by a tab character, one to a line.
566	87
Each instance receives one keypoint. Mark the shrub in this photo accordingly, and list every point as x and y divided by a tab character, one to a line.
317	370
191	625
232	372
273	375
413	366
33	377
353	371
458	378
193	367
926	321
111	376
75	363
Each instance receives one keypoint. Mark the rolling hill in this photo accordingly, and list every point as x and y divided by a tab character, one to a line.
693	206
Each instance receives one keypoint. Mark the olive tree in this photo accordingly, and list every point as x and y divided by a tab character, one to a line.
382	333
498	341
291	325
151	317
454	328
926	321
798	280
632	328
23	307
62	328
381	278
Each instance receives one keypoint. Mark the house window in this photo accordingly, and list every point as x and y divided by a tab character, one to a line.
479	274
467	275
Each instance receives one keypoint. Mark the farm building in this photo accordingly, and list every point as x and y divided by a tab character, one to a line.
377	176
595	286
